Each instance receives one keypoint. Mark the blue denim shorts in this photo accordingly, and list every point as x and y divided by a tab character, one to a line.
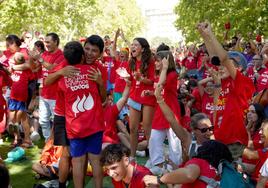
91	144
133	104
16	105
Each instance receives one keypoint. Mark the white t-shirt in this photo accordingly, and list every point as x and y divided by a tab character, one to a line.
264	169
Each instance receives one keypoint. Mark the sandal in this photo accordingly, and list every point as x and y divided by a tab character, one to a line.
27	144
16	142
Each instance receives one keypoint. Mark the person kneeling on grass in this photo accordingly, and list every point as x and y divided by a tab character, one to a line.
115	158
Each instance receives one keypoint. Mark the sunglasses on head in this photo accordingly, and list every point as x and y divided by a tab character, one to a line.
204	130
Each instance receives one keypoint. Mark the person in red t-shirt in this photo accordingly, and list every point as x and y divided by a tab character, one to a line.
59	130
165	65
83	97
5	81
209	155
111	112
115	158
237	90
211	103
254	119
121	63
141	70
202	129
17	102
49	59
260	154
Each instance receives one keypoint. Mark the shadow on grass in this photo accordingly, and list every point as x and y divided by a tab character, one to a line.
21	171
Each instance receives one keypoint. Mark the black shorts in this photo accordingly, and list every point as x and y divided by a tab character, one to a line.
60	135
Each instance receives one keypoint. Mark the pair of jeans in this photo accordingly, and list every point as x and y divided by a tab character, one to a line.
46	114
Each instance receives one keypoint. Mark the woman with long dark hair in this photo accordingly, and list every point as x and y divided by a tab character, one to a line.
141	69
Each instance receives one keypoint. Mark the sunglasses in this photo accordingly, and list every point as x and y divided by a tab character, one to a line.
204	130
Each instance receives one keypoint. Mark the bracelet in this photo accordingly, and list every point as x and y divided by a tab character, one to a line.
159	181
160	101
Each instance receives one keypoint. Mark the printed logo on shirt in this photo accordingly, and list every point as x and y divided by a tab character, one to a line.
264	78
77	82
15	77
82	105
211	107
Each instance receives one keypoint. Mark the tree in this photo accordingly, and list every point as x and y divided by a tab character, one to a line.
244	16
113	14
156	41
70	19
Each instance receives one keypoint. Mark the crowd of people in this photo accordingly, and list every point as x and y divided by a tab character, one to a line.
98	107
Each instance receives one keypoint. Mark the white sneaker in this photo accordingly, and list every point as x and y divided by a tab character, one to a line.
140	153
35	136
157	171
1	141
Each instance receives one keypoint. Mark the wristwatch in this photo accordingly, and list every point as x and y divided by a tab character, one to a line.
159	181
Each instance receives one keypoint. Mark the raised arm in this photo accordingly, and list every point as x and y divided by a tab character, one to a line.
211	42
180	132
115	44
125	40
163	74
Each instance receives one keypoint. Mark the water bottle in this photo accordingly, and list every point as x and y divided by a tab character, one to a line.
16	154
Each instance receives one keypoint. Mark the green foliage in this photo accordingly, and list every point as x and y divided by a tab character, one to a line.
244	15
156	41
70	19
113	14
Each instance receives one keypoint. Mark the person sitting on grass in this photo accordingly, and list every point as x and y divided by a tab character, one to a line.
49	160
209	155
115	158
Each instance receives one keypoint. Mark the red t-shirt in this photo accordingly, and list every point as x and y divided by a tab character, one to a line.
262	81
110	64
263	155
110	117
171	98
19	88
206	73
189	62
137	178
256	138
5	80
9	54
48	91
83	106
198	100
205	170
230	128
137	87
59	106
207	105
120	83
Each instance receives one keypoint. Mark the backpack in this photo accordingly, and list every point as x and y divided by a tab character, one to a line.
229	178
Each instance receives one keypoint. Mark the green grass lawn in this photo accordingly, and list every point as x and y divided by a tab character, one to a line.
21	172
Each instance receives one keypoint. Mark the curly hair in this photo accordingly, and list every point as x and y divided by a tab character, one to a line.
113	153
214	152
146	57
